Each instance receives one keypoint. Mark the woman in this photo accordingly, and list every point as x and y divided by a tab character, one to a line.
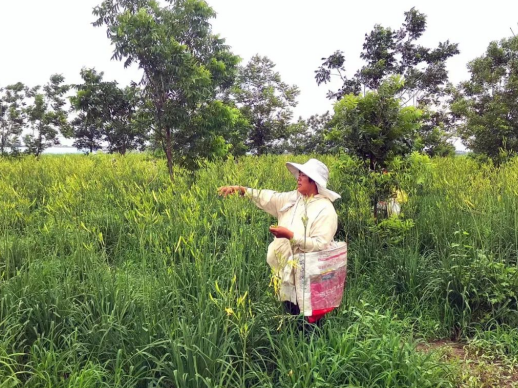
307	222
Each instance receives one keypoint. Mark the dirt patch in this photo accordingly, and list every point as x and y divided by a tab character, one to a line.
475	369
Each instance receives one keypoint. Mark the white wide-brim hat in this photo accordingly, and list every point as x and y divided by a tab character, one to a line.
317	171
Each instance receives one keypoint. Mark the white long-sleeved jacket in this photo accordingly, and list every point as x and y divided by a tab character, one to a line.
290	209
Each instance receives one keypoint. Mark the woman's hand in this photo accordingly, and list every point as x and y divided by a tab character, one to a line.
228	190
281	232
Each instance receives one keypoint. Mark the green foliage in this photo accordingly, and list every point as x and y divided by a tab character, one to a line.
435	133
265	101
375	127
395	54
389	52
307	136
12	116
106	113
110	277
467	279
487	102
480	288
499	343
89	103
393	229
125	127
186	67
46	116
216	130
372	349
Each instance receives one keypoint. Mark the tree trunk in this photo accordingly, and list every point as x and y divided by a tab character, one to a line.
169	153
375	202
372	163
375	199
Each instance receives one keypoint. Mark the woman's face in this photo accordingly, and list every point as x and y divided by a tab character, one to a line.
304	186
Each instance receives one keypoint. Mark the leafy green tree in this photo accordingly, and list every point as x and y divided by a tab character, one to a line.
435	133
89	104
375	127
107	114
308	136
389	52
122	129
12	116
186	67
217	127
487	104
46	115
265	101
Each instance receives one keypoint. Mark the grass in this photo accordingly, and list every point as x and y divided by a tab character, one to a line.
112	276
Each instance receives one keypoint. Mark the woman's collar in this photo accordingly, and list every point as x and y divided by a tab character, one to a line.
311	198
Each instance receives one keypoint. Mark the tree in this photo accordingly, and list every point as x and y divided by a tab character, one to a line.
107	114
435	133
265	101
46	115
375	127
89	103
216	127
123	130
307	136
12	116
388	53
185	65
487	104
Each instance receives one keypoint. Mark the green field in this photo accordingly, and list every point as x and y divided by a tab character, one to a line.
111	276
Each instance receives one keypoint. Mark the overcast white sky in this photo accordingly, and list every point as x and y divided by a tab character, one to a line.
42	37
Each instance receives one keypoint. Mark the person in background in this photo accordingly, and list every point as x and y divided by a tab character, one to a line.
307	222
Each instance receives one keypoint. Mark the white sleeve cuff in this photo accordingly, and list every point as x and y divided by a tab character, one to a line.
298	240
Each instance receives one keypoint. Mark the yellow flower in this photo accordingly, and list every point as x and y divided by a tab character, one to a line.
401	196
229	311
290	373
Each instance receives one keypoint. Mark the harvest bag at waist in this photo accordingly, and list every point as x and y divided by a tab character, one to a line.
320	279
